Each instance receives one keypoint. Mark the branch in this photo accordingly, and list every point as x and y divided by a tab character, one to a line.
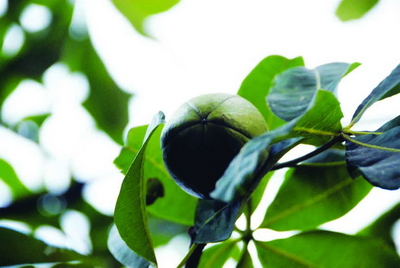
294	162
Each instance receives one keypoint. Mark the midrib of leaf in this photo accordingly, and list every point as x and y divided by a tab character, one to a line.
315	131
287	255
308	203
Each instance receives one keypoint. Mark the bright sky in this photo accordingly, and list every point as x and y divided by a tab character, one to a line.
201	47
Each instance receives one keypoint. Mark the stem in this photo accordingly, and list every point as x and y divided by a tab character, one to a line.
192	258
317	151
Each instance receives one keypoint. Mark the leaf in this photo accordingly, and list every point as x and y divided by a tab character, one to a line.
376	156
386	88
354	9
256	86
215	220
326	193
107	103
176	205
245	260
244	171
137	11
294	90
328	250
218	254
162	231
130	211
22	249
9	177
383	226
321	121
122	252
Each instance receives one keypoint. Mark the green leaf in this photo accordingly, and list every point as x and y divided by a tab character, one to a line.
245	260
354	9
256	86
122	252
176	205
215	220
321	121
217	255
319	249
327	192
386	88
17	248
107	103
137	11
162	231
383	226
294	90
376	156
130	211
9	177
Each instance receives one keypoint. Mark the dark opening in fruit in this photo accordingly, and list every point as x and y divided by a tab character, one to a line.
204	135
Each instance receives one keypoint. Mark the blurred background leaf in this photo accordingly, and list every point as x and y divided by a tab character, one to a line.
137	11
354	9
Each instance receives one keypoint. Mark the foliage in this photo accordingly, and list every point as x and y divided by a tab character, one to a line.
300	106
305	100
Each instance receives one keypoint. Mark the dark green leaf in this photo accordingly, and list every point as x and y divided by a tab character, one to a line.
9	177
130	210
376	157
383	226
387	88
17	248
256	86
176	205
354	9
215	220
319	249
326	193
217	255
294	90
251	164
137	11
122	252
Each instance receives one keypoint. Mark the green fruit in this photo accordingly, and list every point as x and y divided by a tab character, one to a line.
202	137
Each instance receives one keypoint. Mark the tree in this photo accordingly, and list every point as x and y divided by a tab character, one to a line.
348	163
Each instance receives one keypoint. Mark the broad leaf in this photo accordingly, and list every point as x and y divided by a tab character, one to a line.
321	121
215	220
122	252
254	160
354	9
137	11
327	192
376	156
176	205
319	249
387	88
217	255
256	86
294	90
17	248
130	211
